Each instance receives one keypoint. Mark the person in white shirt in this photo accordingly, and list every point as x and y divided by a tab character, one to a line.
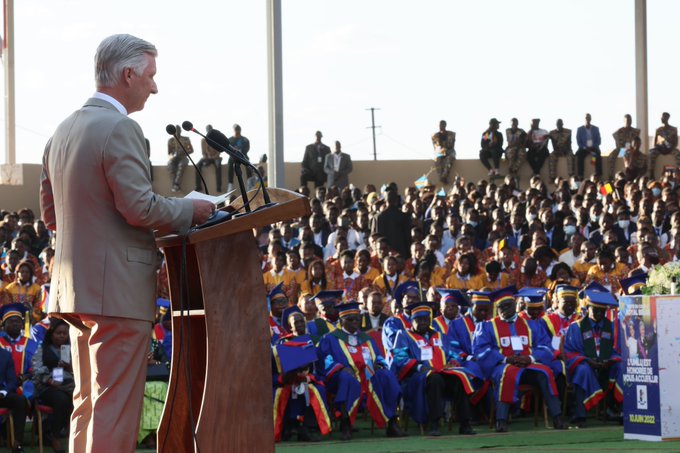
574	252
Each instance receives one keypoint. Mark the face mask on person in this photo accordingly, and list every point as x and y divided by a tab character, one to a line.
594	218
569	229
656	192
624	224
473	223
531	217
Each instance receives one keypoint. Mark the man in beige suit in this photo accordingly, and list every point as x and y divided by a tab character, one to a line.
96	194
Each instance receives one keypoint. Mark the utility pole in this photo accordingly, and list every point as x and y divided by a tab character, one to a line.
373	126
8	62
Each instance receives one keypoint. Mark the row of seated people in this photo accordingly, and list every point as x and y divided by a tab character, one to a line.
467	350
353	272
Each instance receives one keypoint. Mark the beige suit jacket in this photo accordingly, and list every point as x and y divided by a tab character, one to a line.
96	192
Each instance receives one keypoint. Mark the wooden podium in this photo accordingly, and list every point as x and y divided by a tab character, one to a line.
220	379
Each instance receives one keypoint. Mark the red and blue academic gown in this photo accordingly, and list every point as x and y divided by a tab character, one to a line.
441	324
601	341
556	327
292	400
391	328
492	344
275	329
459	339
372	379
22	350
418	356
320	327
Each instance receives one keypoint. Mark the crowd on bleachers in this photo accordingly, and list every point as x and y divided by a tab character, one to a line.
469	300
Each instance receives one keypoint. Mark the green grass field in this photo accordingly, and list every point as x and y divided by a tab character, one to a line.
598	437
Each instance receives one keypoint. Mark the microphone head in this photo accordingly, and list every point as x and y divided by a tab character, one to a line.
218	137
187	126
170	129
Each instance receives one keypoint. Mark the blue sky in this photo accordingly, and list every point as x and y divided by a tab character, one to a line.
418	62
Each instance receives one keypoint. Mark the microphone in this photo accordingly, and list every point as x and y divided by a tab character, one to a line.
219	141
172	130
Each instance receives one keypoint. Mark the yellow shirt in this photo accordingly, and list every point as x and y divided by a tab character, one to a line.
379	282
475	282
502	282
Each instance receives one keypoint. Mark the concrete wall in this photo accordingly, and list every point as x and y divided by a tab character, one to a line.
403	172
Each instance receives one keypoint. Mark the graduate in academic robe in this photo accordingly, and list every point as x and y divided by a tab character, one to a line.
534	299
327	319
557	323
461	332
299	392
510	352
449	306
354	371
15	317
406	293
593	351
374	318
277	301
431	373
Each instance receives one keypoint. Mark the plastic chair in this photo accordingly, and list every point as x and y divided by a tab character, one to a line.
39	410
4	412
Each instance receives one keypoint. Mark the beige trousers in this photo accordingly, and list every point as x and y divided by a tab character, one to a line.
109	358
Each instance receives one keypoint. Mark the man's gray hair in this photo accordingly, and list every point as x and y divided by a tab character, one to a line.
118	52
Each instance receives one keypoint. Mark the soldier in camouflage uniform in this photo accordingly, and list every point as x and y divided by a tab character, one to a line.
623	138
561	142
445	155
515	153
665	142
177	160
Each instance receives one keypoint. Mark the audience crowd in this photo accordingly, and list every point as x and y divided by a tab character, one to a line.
404	303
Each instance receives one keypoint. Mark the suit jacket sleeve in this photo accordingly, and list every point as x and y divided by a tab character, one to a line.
328	164
126	170
306	167
46	196
346	167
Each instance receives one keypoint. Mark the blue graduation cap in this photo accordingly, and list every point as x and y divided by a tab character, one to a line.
480	298
163	305
327	296
564	291
592	286
503	294
348	309
532	294
420	309
291	355
276	293
454	296
600	299
441	193
288	312
409	287
533	297
9	310
633	285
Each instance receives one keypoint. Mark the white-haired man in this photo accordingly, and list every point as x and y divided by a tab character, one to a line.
96	193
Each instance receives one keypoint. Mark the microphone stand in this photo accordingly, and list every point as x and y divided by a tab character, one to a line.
241	185
236	157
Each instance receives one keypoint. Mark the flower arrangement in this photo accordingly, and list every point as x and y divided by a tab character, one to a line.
661	278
